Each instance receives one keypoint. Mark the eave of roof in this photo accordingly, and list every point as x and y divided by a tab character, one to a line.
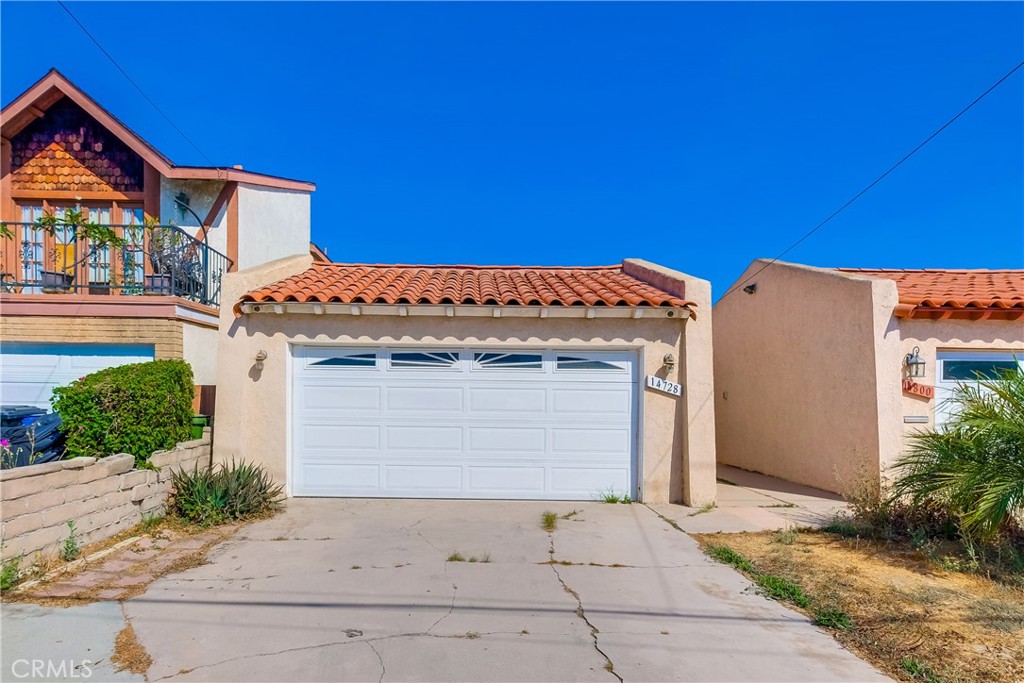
50	88
379	286
942	294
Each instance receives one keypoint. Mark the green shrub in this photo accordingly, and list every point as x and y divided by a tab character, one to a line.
224	493
975	467
138	409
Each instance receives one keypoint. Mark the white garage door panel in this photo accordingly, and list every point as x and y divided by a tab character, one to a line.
462	423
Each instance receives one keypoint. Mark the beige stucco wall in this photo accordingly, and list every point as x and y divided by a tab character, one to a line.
677	463
797	374
272	224
202	194
199	349
809	373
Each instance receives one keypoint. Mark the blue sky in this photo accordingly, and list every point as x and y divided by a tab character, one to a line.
697	135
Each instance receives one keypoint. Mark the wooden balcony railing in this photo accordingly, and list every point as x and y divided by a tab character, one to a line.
149	259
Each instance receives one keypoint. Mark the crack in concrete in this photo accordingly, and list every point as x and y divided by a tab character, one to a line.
128	622
609	665
383	669
455	592
671	522
348	641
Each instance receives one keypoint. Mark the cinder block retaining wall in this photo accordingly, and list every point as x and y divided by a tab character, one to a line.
102	496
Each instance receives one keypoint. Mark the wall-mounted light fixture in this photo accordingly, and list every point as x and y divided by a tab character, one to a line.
261	356
182	200
669	361
914	363
751	288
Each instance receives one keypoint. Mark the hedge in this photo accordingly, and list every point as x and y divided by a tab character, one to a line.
138	409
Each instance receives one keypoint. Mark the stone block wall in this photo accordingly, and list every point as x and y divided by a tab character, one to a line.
102	496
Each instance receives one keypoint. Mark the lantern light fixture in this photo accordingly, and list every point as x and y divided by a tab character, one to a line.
914	363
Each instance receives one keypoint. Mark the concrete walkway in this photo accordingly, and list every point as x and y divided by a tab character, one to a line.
748	501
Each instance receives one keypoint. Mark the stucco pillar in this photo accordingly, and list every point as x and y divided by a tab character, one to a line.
698	405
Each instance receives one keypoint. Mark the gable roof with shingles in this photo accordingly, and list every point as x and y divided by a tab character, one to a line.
54	86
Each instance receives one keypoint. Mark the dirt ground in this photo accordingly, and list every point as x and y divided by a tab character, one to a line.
910	618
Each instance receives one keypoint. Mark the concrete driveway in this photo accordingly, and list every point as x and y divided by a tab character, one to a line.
362	590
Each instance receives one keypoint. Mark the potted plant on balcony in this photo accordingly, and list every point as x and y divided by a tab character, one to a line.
73	222
162	256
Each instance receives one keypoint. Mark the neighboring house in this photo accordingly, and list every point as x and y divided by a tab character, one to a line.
820	374
469	381
68	307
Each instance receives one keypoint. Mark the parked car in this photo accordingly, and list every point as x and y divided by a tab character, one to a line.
30	435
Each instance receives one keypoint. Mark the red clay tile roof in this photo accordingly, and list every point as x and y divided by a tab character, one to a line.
479	285
954	293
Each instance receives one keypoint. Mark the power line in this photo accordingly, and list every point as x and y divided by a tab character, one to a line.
875	181
132	81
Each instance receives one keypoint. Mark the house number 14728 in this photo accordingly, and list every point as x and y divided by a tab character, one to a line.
663	385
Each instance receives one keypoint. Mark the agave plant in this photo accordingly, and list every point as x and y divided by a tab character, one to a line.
975	466
225	493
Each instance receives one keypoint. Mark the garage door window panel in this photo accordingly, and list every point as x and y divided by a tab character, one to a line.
424	359
358	360
490	360
574	362
339	359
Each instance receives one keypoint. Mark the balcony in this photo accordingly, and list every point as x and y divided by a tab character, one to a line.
141	260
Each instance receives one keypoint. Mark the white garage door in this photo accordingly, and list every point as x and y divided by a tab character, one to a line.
463	423
29	372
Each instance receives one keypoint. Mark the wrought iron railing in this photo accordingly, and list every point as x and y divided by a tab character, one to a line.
149	259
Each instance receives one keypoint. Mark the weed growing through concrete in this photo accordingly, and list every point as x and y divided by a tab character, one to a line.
705	509
548	521
612	496
570	515
456	557
833	618
355	566
70	549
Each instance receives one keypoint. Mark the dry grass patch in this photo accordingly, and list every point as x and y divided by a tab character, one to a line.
907	615
129	654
